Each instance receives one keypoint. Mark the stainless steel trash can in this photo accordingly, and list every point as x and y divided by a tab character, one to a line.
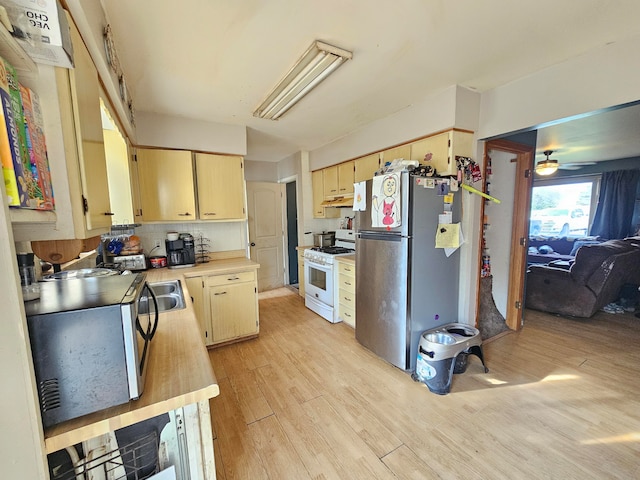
443	351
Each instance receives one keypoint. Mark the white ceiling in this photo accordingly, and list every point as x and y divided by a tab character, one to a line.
216	60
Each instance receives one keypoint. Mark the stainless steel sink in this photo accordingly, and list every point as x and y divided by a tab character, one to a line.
169	296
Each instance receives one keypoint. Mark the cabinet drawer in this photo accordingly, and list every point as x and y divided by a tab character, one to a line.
347	315
347	268
347	298
229	278
347	283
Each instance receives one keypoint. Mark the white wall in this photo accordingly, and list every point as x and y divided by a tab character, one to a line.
260	171
21	438
500	220
604	77
431	114
188	134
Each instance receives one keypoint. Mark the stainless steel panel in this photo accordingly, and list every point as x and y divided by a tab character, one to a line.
381	296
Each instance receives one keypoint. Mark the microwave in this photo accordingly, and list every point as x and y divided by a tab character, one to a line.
90	343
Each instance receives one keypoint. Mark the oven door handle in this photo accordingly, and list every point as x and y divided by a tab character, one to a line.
319	266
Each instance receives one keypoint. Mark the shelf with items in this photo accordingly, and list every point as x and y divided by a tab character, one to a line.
27	74
202	246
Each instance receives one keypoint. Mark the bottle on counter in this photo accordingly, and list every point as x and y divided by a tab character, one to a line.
28	281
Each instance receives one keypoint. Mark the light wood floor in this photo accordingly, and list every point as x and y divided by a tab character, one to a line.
306	400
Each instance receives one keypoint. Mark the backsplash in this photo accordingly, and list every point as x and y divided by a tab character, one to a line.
222	236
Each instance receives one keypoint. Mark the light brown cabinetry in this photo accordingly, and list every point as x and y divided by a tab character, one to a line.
233	306
443	147
226	306
402	151
167	190
195	285
346	292
345	178
301	270
85	95
221	192
365	167
338	180
317	187
330	181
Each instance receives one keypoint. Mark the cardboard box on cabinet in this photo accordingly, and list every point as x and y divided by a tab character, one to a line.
42	29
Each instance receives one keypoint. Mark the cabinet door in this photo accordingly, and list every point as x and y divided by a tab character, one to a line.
195	286
136	201
317	185
438	147
403	151
301	272
233	311
220	181
166	185
365	167
92	162
330	181
345	178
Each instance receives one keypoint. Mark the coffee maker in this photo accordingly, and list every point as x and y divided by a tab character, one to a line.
181	252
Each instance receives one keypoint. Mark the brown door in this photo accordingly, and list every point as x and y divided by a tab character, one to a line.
523	157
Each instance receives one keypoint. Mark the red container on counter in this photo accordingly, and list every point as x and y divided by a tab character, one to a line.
158	262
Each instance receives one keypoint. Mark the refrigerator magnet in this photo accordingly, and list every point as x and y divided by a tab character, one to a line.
443	188
448	198
430	183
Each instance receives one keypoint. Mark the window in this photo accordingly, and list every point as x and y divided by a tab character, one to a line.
564	206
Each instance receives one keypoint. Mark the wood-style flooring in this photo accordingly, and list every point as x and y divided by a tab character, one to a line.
306	400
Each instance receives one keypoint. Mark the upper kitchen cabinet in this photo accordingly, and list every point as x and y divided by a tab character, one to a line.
345	178
220	180
443	147
317	187
402	151
330	181
365	167
338	180
166	182
79	97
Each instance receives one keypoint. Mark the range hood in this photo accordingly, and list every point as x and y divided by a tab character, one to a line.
338	202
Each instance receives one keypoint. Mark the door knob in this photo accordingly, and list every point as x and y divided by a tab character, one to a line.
253	244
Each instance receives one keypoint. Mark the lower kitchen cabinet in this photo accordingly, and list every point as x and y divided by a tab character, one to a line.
226	306
301	270
346	292
195	285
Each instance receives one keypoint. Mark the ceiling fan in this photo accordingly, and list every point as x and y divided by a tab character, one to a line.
549	165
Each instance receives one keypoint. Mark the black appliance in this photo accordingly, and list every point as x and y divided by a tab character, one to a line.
181	252
90	341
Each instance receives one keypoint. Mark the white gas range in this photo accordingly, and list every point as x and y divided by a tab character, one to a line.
319	275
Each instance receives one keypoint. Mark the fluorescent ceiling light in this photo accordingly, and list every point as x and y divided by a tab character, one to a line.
315	65
547	167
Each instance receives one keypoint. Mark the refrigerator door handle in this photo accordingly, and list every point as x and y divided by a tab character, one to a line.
390	237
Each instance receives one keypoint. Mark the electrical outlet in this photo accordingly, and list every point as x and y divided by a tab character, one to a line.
158	244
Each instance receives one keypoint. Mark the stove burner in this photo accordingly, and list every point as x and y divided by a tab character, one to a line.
333	250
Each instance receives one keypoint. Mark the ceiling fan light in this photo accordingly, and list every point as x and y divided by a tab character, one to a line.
547	167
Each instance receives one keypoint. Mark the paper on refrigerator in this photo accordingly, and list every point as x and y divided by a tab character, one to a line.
386	198
360	196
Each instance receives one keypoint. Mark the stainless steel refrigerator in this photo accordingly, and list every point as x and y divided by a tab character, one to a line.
404	285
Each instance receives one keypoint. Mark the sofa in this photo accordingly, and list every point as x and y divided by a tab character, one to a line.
546	249
582	287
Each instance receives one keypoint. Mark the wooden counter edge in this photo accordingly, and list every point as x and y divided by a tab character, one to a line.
119	416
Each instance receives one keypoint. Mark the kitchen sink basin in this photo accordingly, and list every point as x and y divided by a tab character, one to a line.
168	294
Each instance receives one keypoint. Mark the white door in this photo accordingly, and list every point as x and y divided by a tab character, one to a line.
266	237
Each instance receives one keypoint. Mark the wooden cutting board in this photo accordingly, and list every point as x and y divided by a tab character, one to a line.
57	251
